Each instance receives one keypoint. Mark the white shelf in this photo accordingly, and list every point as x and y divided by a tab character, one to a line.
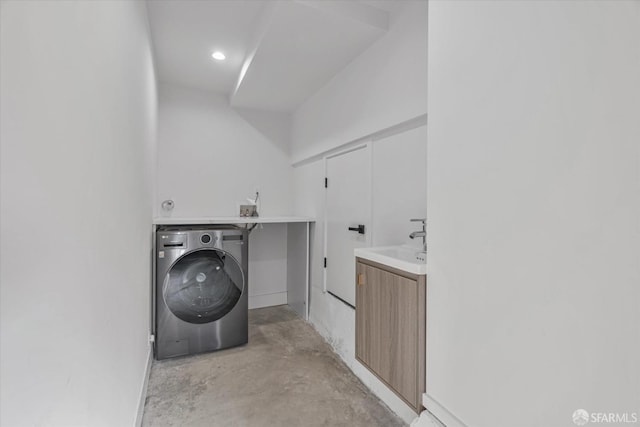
231	220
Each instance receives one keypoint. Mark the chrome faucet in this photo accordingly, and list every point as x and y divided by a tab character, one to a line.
422	233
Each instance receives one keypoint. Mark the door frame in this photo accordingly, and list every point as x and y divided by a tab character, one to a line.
368	147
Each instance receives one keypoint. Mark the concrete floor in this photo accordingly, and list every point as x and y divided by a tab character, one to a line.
286	376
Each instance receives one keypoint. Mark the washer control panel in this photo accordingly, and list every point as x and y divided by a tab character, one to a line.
173	241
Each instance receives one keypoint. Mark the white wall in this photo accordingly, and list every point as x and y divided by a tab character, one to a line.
78	111
384	86
372	94
268	265
399	187
534	199
211	158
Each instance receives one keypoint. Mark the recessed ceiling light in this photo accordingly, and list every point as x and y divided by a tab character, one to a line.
218	55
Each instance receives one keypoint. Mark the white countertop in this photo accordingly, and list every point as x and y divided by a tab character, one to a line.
405	258
231	220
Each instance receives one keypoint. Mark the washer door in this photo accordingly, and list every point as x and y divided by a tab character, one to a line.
203	286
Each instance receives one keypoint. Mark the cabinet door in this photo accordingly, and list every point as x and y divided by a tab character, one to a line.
348	205
387	329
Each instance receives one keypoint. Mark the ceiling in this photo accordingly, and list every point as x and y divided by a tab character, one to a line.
279	52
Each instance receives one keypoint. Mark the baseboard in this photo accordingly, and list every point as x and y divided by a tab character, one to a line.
267	300
145	385
441	413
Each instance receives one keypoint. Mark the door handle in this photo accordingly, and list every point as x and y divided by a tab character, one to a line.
359	228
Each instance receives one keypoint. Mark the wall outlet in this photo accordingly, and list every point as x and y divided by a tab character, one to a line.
248	210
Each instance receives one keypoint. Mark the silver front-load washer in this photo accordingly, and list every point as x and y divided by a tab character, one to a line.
201	294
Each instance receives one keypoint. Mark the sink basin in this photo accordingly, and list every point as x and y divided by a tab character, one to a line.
403	258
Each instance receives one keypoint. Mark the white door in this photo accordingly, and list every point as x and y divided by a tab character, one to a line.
347	218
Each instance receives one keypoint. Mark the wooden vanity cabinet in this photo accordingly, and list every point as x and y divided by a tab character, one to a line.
391	328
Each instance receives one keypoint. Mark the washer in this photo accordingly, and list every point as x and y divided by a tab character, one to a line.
201	291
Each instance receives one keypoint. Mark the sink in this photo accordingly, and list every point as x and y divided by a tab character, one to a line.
405	258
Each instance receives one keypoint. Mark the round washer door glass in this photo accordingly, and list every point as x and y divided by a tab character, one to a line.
203	286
